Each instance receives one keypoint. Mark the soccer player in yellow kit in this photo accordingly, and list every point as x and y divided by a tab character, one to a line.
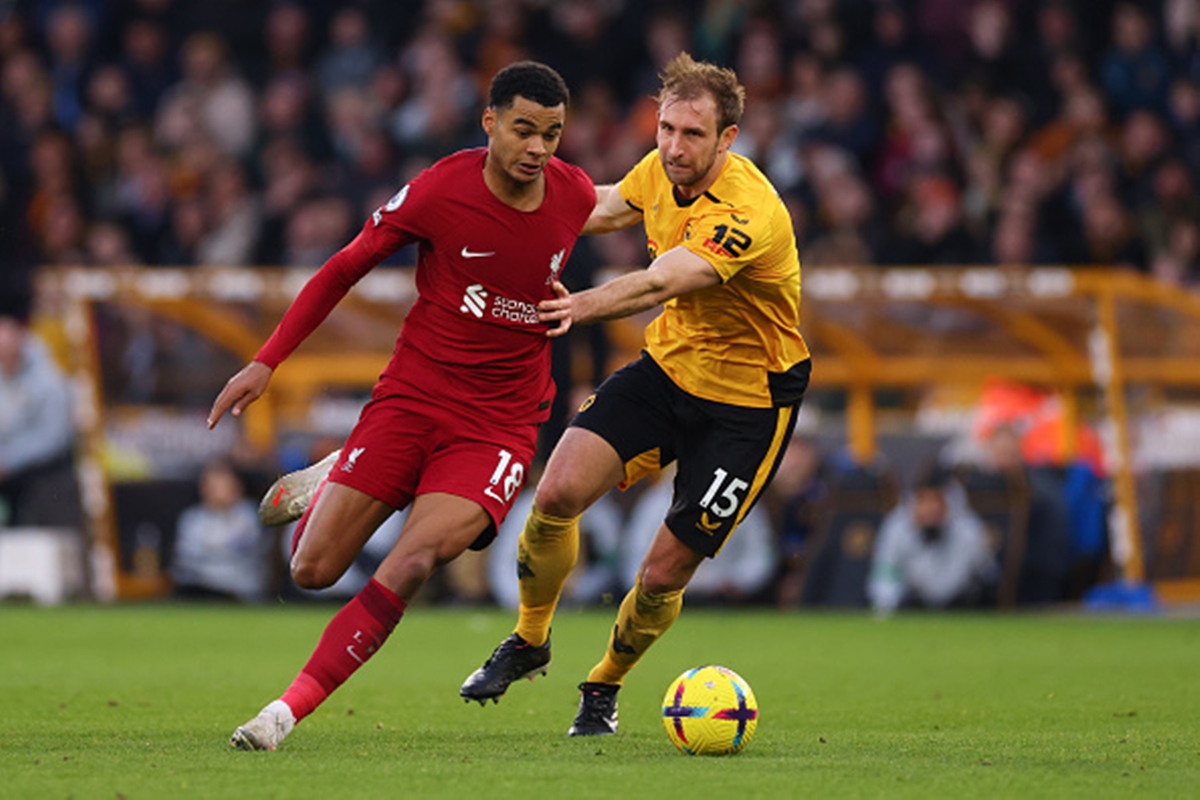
716	390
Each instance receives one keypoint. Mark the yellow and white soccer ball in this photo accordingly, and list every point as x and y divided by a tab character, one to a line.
710	711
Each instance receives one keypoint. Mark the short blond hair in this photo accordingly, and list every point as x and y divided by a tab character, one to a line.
684	78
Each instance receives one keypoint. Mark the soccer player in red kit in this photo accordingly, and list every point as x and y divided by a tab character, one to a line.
451	426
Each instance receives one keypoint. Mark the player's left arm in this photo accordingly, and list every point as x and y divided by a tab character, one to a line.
675	272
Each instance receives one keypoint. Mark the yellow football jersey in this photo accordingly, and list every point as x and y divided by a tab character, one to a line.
736	342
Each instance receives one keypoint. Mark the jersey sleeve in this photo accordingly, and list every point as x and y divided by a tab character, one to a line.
411	209
587	189
636	188
732	239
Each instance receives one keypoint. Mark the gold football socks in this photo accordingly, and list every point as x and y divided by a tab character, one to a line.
546	555
643	618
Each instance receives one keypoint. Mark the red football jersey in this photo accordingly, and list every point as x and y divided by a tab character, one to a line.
472	339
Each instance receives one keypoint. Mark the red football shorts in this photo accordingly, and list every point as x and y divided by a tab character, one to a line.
402	447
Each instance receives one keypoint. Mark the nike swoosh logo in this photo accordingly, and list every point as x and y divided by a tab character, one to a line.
468	254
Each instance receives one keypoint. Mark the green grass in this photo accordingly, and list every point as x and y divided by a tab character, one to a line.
139	701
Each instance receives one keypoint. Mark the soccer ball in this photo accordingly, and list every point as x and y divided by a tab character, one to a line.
710	711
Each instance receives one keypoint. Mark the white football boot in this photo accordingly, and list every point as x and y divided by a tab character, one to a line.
287	498
265	731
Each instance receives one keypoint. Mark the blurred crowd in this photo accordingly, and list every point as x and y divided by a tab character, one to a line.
1003	529
180	132
248	132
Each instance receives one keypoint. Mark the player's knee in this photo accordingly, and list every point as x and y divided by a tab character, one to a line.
555	498
410	573
659	578
308	573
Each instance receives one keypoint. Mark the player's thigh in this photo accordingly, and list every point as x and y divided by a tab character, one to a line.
581	469
635	412
438	528
341	522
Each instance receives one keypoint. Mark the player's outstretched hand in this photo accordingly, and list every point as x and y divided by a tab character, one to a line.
240	391
556	310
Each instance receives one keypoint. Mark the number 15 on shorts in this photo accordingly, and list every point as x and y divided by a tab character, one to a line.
727	501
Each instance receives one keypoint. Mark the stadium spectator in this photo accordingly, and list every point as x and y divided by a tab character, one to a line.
221	550
847	120
847	229
352	54
1184	116
108	245
1135	72
37	472
315	232
932	551
287	47
914	142
930	227
288	110
1001	129
146	56
70	34
1047	553
1058	45
892	42
1109	237
233	216
180	244
216	100
434	116
584	42
54	211
796	498
804	106
1143	145
1173	204
140	192
291	178
502	38
1014	241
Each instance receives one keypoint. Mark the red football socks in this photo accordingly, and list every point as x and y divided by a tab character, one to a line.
353	635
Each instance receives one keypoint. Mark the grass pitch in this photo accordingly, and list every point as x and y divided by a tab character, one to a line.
139	701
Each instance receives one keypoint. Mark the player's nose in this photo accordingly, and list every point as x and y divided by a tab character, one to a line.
535	146
673	145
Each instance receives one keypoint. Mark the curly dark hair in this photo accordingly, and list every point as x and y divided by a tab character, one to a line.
531	80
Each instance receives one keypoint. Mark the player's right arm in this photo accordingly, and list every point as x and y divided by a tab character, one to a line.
312	305
611	212
240	391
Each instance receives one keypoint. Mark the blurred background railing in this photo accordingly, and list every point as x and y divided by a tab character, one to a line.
1090	367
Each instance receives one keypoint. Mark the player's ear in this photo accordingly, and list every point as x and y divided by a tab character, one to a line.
727	136
489	120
